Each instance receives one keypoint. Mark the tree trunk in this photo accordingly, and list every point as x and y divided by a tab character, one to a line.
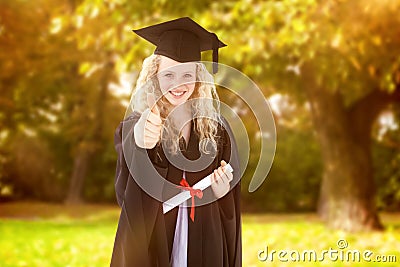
347	194
89	147
79	172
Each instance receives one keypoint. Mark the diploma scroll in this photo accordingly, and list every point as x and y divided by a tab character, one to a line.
185	195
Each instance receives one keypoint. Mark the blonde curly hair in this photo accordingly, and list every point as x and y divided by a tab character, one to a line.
206	114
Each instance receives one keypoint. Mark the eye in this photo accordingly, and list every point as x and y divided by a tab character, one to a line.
187	76
169	75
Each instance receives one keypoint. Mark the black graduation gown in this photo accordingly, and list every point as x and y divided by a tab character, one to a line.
144	236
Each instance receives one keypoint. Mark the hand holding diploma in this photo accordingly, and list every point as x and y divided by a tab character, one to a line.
220	180
203	184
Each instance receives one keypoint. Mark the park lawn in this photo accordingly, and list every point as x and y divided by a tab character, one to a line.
42	235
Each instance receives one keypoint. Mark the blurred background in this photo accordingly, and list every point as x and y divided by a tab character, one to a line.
330	69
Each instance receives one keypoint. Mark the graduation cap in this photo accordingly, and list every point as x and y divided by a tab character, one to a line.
182	40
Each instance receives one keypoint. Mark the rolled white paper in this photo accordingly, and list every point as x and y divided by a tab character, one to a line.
185	195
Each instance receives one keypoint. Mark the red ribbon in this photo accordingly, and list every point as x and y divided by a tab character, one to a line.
193	192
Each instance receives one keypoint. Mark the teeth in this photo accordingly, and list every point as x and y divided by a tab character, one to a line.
177	94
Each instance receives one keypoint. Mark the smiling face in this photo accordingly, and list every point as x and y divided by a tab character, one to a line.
177	80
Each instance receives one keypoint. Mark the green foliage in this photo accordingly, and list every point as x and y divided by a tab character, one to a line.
294	180
387	164
352	46
387	177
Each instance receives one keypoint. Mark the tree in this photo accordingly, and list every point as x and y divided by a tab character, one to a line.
342	57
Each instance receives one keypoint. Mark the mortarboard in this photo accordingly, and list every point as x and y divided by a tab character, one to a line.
182	40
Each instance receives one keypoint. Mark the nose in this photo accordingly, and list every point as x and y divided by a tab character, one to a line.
179	84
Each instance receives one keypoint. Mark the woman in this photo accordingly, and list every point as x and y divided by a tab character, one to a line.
173	113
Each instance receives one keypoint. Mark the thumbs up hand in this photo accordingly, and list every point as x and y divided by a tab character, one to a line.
148	128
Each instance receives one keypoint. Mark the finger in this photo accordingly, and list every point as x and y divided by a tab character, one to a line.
154	118
223	163
217	177
150	138
225	168
155	110
227	175
151	102
152	128
222	175
213	179
230	176
150	144
149	127
152	135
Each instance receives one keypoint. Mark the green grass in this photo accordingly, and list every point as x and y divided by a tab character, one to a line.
41	235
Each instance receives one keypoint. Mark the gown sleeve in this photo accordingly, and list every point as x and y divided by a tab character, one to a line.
138	209
122	171
229	205
121	174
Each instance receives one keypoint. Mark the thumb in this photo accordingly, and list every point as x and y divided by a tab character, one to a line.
155	110
151	101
